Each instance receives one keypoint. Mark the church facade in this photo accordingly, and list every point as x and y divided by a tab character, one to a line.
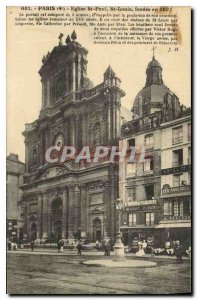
71	199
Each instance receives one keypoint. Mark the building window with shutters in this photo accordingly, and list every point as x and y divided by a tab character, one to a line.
177	135
189	155
189	132
150	218
149	141
131	169
132	219
177	158
167	208
149	191
148	165
129	194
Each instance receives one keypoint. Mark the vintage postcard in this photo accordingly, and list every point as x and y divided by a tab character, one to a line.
99	150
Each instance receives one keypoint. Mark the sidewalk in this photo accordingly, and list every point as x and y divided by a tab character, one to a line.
67	252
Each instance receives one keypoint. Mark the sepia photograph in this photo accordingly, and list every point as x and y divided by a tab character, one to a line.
98	163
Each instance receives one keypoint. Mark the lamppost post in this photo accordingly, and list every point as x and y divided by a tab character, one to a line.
118	247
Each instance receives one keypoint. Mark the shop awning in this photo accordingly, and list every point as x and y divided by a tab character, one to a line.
174	225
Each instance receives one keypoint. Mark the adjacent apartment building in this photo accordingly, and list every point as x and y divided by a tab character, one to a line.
156	193
176	179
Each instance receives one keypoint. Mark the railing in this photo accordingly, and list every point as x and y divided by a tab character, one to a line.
175	189
176	164
176	140
149	147
184	217
150	223
132	224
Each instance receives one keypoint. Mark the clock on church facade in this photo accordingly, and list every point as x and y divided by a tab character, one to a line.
71	199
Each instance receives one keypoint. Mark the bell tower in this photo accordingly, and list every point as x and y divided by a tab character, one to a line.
64	71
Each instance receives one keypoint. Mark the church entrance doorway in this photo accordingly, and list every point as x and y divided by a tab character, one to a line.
56	219
97	230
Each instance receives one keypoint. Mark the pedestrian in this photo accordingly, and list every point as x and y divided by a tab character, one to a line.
58	246
178	250
32	245
79	247
144	245
140	252
15	247
12	245
97	244
9	245
108	249
105	248
61	245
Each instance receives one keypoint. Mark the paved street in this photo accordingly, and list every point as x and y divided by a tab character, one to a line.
42	273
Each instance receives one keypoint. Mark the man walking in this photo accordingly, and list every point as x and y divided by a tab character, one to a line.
79	247
178	250
32	245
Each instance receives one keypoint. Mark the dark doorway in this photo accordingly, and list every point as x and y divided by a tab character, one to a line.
56	219
96	230
33	231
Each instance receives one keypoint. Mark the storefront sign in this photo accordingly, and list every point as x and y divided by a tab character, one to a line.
186	168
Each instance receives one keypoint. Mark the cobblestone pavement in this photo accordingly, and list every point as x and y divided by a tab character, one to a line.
42	273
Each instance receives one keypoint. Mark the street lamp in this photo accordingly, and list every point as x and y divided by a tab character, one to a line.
119	247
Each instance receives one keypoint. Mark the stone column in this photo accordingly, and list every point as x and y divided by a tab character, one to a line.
84	210
72	131
26	156
45	215
71	211
66	83
79	72
107	214
43	94
77	208
65	214
117	120
114	116
74	74
109	119
42	147
66	132
48	102
77	130
39	215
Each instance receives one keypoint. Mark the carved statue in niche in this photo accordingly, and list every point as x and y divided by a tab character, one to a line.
97	134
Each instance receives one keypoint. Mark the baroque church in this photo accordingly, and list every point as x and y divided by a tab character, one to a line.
71	199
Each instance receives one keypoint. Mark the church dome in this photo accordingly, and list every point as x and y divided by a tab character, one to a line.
150	98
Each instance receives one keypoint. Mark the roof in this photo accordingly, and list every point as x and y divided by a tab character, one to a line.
152	93
154	63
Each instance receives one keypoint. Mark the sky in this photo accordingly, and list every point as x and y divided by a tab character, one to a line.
27	45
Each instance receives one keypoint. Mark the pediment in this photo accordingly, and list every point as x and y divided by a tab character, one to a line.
54	170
